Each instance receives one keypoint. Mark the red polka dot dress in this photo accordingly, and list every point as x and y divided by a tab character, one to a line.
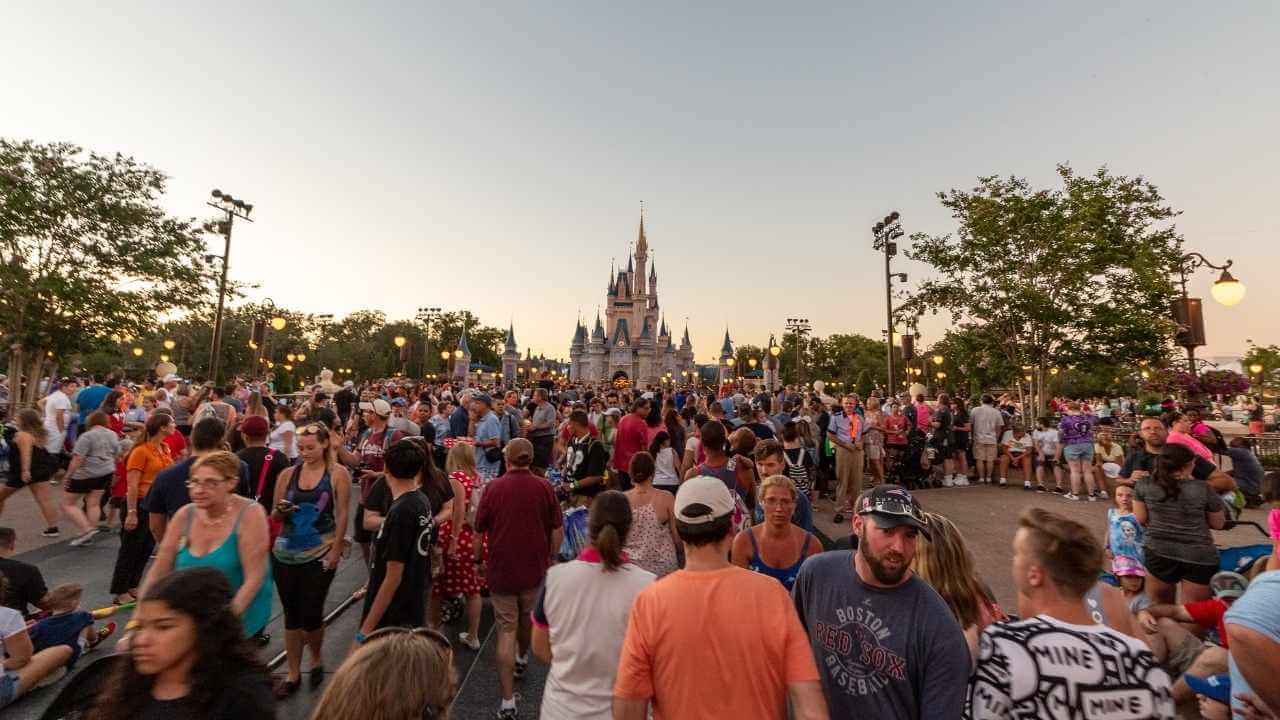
459	577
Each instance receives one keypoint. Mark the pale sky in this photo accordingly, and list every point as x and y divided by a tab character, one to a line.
493	157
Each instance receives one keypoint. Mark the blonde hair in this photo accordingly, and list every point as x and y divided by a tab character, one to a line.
226	464
30	422
781	481
461	458
391	678
946	563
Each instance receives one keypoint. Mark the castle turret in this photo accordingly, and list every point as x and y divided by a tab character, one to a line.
462	363
510	357
726	354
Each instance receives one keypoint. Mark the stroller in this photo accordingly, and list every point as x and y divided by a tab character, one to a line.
1245	559
912	468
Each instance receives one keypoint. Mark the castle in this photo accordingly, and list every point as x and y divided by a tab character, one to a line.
634	342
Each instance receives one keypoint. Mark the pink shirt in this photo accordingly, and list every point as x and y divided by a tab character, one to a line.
923	413
1191	443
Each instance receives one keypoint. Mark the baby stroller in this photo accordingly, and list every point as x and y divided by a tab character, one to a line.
912	467
1245	559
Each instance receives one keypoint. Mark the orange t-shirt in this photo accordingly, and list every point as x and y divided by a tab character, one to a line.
714	644
149	459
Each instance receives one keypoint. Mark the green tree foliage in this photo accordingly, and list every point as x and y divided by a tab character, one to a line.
1066	276
86	254
1268	357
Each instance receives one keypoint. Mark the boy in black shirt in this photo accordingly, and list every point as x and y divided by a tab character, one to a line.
400	571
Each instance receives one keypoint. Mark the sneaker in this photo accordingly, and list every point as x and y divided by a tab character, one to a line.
962	481
51	532
104	632
947	481
1102	494
1093	497
1005	483
507	714
521	667
1059	490
84	539
1041	488
472	643
1026	485
1071	496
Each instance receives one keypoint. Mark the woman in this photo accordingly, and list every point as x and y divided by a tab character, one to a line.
224	531
692	453
457	537
944	561
775	547
667	469
255	406
23	667
281	438
1178	512
960	434
895	433
653	536
92	468
313	501
1076	433
1105	450
181	404
147	458
581	617
1254	407
397	674
674	427
873	438
187	657
1180	434
32	466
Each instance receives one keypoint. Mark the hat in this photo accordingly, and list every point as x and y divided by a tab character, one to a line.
399	402
1124	566
1227	584
703	499
254	426
377	407
172	378
892	506
348	383
1111	470
615	412
1215	687
484	398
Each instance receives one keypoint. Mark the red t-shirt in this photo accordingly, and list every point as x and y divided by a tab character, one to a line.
517	513
176	444
631	438
1209	614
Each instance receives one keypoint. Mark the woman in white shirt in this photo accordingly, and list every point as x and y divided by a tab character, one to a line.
667	465
281	438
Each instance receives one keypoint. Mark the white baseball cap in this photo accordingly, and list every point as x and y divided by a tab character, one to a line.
378	407
703	499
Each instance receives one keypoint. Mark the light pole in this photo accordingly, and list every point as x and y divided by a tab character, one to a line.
771	364
425	316
885	233
1188	313
800	327
401	343
233	208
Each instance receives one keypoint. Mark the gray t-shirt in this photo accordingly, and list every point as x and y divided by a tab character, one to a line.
99	447
545	415
1177	528
883	654
987	423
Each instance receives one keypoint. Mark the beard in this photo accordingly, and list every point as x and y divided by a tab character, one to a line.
879	563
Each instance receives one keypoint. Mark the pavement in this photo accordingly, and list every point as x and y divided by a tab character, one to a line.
986	516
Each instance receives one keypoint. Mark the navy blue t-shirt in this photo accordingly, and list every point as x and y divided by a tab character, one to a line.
63	629
169	491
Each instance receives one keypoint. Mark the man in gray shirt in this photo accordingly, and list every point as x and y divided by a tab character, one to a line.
988	422
887	646
542	429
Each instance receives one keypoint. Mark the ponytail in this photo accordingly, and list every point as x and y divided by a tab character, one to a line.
1172	459
608	524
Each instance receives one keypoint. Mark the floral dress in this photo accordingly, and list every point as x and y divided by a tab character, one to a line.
649	543
459	577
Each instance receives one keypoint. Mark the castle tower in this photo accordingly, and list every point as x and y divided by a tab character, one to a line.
510	356
726	371
577	353
462	365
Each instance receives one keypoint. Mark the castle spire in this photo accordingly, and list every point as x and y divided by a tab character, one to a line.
642	243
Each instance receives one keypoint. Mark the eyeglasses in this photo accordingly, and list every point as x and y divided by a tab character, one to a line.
435	636
192	484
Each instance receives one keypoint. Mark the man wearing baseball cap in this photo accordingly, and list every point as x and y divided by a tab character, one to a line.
888	646
370	448
714	640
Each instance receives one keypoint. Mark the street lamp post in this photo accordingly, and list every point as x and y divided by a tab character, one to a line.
425	316
1188	313
233	208
799	327
885	233
771	364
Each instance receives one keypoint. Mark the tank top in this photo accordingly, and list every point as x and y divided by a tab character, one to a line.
724	473
649	544
664	469
226	559
308	531
787	575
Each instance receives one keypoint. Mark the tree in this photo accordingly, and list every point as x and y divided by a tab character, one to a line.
1268	357
1060	277
86	253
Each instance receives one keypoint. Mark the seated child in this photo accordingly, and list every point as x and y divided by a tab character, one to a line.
24	667
68	625
1183	652
1132	577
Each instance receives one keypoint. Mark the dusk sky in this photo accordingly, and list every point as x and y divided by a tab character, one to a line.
493	157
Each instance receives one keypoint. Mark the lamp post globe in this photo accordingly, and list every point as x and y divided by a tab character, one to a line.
1227	290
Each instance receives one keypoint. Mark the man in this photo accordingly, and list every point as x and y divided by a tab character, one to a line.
632	437
509	416
91	397
1058	662
770	461
169	492
757	420
1183	652
400	571
584	461
57	419
1016	449
686	651
987	423
488	440
264	464
371	447
460	420
542	429
888	646
1253	626
25	584
826	460
1141	461
520	518
845	433
399	419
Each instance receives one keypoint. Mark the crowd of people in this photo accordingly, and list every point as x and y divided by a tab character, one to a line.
655	547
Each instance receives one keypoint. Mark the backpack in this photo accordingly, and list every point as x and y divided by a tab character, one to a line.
473	505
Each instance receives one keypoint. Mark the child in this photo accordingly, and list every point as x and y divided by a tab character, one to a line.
1132	577
68	625
1047	445
1124	532
799	462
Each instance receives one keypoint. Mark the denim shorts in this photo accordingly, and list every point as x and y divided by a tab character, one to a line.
1078	452
8	687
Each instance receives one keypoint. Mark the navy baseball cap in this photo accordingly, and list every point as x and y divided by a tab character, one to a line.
1215	687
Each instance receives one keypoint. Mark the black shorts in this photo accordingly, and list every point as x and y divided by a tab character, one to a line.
1172	571
359	534
13	479
91	484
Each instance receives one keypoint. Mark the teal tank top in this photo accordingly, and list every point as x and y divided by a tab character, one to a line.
226	559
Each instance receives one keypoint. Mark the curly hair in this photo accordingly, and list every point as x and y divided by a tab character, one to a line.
222	652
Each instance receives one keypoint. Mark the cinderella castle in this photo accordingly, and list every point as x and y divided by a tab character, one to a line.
633	343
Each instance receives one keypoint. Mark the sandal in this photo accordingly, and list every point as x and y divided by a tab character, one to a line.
315	677
286	688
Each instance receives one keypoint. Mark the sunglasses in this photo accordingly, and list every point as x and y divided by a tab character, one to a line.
892	506
313	429
435	636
